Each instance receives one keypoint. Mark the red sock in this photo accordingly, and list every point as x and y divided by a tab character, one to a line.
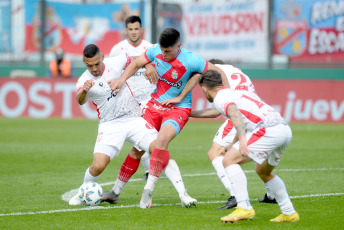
158	161
128	168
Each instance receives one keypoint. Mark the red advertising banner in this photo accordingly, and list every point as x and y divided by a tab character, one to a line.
297	100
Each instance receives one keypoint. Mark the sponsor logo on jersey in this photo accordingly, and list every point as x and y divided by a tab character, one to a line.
112	95
101	84
158	64
180	119
177	84
174	74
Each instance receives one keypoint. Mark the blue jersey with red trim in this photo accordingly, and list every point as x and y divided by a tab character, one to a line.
174	74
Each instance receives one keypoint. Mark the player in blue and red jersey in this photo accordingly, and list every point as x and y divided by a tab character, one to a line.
175	67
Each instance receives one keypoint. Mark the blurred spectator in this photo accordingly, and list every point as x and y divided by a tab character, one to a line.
60	67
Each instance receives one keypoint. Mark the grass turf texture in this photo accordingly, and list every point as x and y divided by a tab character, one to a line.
43	159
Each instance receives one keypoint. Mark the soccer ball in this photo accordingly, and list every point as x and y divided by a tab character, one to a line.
90	193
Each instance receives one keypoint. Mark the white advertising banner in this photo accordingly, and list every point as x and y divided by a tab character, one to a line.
235	30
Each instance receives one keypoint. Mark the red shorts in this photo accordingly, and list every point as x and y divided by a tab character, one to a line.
159	115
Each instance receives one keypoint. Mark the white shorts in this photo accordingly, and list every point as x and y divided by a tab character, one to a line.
113	134
268	143
225	134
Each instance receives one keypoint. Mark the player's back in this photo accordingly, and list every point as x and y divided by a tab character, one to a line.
255	112
236	78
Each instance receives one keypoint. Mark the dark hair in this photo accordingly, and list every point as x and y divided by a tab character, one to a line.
169	37
216	61
91	50
210	79
132	19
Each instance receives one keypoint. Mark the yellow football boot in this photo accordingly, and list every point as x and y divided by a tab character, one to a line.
239	214
287	218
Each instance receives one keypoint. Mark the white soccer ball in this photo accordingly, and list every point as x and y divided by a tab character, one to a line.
90	193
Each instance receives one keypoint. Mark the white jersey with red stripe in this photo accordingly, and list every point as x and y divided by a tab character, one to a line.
256	114
236	78
139	85
111	106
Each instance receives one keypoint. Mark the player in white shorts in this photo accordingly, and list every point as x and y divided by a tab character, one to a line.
224	136
120	116
141	88
262	136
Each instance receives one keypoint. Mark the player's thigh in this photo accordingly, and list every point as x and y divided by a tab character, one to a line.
152	115
177	118
225	134
111	137
233	156
141	134
268	143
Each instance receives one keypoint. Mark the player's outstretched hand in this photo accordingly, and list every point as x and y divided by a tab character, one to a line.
171	101
88	85
151	74
115	85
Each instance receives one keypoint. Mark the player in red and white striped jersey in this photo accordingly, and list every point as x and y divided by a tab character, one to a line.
226	133
262	135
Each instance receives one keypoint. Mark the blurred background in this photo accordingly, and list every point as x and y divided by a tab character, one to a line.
293	50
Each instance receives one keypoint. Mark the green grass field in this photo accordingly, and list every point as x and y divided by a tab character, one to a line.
40	160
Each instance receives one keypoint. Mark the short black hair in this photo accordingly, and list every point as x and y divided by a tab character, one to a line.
169	37
216	61
91	50
132	19
210	79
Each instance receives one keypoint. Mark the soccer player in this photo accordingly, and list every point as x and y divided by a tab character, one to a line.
226	133
141	88
175	66
120	116
262	135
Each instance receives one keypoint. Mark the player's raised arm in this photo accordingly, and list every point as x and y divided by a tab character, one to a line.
81	95
131	69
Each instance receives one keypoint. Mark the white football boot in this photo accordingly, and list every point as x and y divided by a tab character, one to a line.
187	201
75	200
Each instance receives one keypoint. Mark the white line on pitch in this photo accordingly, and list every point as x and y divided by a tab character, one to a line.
67	195
134	206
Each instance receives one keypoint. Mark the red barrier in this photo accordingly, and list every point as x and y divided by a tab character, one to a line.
297	100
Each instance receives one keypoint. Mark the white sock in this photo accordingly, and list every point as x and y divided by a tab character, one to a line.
279	191
239	184
151	182
118	187
88	177
173	174
145	161
268	192
217	163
